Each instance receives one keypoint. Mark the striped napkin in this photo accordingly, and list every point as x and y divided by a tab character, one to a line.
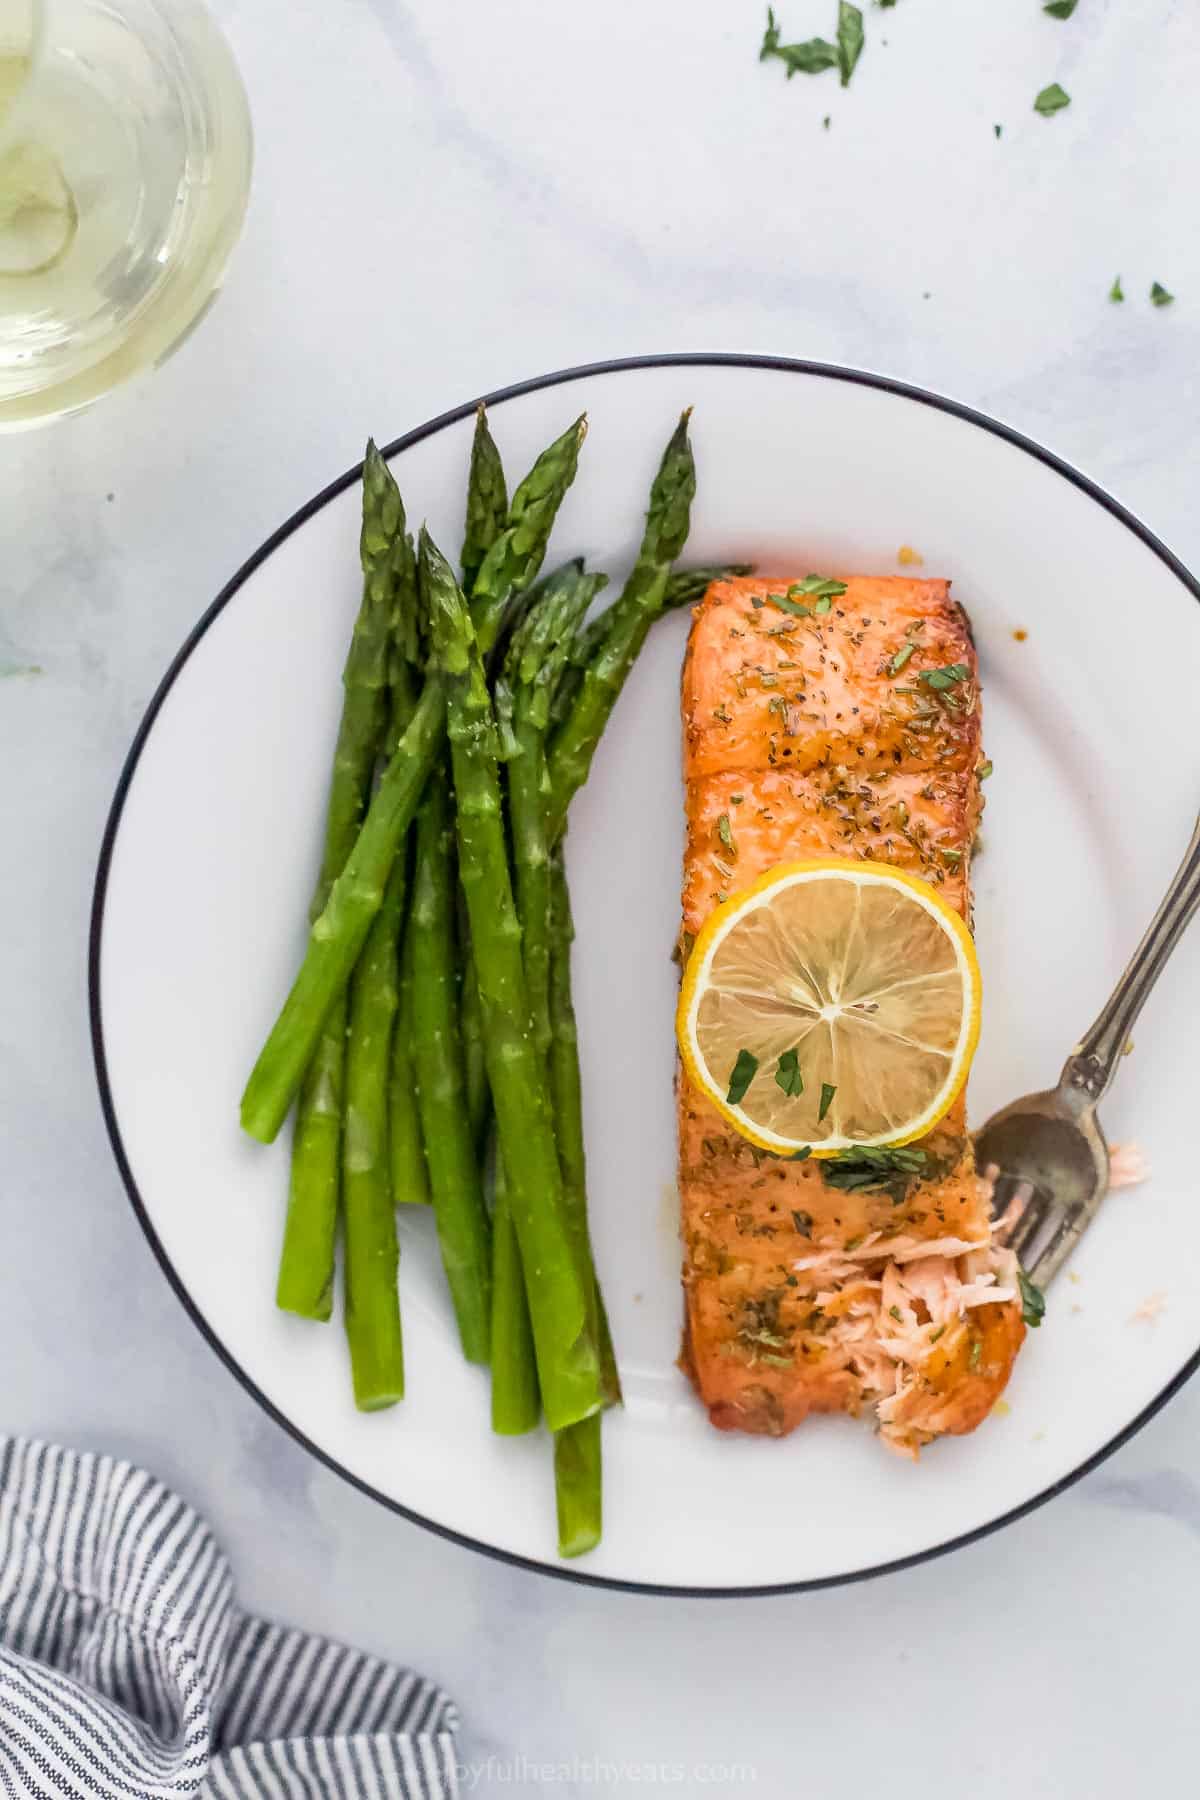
127	1671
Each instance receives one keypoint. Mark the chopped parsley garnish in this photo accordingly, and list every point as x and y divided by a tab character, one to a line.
788	1075
823	605
828	1090
871	1168
901	657
825	587
985	768
940	679
744	1071
1160	297
1116	292
976	1353
803	1223
1060	9
1052	99
850	39
725	833
809	58
785	603
801	1155
896	1314
1033	1301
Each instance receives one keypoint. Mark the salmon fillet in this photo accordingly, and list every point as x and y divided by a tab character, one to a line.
801	1297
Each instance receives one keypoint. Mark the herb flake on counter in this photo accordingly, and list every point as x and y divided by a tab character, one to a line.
812	57
998	130
1116	292
1051	100
1159	296
788	1075
850	39
744	1071
1060	9
828	1090
985	769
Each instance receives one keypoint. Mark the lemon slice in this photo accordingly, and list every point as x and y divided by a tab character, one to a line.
833	1003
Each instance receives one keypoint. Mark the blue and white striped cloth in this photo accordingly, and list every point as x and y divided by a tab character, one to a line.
127	1671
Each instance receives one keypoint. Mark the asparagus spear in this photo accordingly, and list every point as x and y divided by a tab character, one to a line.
513	562
567	1359
487	500
406	1152
536	654
470	1020
454	1179
579	1486
685	587
536	658
371	1249
410	1178
516	1400
566	1092
338	934
639	605
306	1265
487	516
578	1465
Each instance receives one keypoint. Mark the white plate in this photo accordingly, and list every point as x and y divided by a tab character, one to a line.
213	842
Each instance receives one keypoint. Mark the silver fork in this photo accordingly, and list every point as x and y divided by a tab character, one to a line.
1045	1153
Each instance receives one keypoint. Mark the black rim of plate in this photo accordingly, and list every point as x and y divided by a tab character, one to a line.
618	366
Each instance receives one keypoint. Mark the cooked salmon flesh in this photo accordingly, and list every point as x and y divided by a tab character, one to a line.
817	737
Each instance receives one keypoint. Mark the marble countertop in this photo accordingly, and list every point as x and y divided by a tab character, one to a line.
448	198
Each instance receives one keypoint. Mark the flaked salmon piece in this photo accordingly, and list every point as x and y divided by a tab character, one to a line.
815	736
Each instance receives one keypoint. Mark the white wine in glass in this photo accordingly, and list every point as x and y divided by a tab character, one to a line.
125	156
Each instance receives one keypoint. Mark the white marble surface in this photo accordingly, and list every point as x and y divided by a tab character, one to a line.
449	197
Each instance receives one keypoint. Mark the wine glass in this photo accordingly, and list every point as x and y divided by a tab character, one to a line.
125	156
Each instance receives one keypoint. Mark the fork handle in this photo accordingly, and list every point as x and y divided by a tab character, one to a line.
1089	1070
